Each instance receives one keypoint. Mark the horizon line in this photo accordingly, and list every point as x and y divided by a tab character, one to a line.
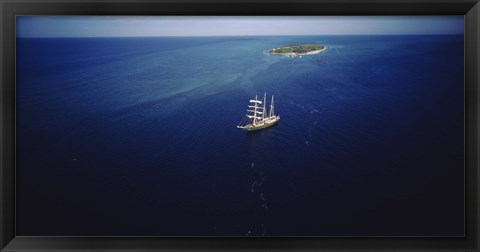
240	35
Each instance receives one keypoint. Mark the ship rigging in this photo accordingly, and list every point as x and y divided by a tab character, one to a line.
256	117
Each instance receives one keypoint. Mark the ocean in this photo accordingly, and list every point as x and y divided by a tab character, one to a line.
137	137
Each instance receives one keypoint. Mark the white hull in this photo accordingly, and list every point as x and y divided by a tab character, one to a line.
261	125
258	116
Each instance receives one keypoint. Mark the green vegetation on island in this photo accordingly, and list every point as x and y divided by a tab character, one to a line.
298	50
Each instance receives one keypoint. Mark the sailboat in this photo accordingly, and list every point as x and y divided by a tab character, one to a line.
256	117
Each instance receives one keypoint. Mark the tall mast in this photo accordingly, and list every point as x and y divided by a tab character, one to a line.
271	108
255	112
264	105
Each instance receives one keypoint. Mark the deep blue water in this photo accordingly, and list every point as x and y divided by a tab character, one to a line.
137	136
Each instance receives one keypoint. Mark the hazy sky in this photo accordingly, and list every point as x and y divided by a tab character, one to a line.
119	26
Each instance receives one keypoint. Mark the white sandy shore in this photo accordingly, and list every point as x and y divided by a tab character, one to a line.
301	54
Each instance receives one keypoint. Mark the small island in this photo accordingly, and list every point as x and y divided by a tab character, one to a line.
298	50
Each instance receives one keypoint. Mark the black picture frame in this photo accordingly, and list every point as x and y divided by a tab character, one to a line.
11	8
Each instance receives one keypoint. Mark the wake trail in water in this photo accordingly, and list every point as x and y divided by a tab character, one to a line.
262	207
